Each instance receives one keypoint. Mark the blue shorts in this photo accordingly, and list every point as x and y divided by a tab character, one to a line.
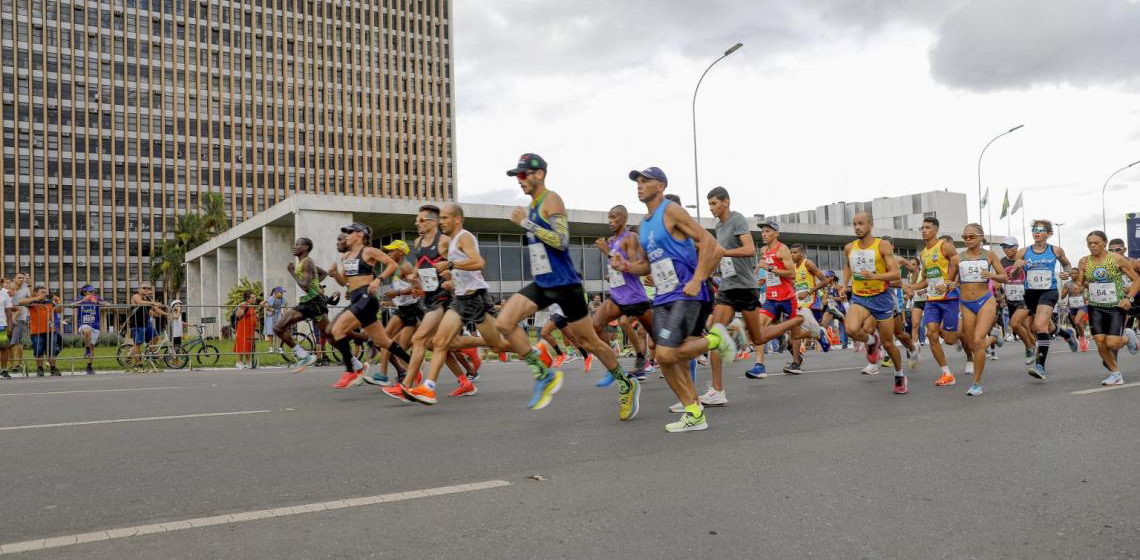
943	312
46	344
779	309
881	306
975	305
143	335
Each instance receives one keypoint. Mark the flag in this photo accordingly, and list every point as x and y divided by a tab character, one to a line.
1005	205
986	197
1017	204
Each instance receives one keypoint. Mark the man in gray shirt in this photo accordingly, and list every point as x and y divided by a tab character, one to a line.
16	332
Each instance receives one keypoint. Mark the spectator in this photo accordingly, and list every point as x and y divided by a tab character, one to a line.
19	292
246	315
43	323
176	324
7	317
87	314
273	307
141	322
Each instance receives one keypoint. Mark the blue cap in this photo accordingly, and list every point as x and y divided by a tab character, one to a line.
87	288
528	162
649	173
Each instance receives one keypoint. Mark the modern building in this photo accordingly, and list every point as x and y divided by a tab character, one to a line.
260	248
118	114
897	212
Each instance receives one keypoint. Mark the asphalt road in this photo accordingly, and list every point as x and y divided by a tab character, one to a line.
829	464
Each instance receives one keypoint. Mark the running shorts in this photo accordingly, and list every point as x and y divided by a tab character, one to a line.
474	307
944	313
1033	298
410	315
435	300
634	309
570	297
881	306
779	309
678	320
363	306
559	320
739	299
1108	321
313	309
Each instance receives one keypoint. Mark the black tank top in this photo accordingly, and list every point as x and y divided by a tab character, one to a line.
357	266
426	256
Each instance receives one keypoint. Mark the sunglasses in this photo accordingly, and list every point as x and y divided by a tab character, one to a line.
970	236
523	174
1117	250
1039	230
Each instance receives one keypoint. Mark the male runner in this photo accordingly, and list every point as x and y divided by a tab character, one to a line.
899	293
940	279
810	283
555	281
310	306
402	292
680	256
87	317
627	296
1039	261
1117	246
869	268
780	294
1074	299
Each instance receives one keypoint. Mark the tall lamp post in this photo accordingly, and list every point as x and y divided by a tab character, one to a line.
1059	224
1103	214
980	167
696	173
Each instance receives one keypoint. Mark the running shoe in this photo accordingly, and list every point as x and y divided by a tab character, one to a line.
975	390
727	346
824	342
349	379
629	397
678	408
712	397
544	390
946	380
873	350
503	357
793	368
638	375
888	362
900	385
703	360
1083	344
688	423
758	371
396	392
605	381
1073	346
378	379
1113	379
1037	371
544	355
90	371
650	370
639	365
870	369
421	394
1030	357
1132	342
466	389
810	324
303	363
4	375
912	359
588	362
561	359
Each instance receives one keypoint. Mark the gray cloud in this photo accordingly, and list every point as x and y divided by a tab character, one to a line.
992	45
505	197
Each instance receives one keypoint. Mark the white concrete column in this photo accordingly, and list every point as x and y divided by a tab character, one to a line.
193	291
227	279
249	260
209	295
276	254
322	227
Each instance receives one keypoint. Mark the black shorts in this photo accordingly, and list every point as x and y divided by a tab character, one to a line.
571	298
474	307
1106	320
410	315
634	310
559	320
739	299
1033	298
363	306
312	309
921	305
678	320
435	300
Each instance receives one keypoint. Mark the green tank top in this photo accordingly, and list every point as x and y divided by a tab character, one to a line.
1105	282
314	288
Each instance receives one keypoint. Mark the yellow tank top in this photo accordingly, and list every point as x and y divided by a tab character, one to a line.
806	281
867	261
937	269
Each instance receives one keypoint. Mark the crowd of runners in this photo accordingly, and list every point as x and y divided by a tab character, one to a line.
683	295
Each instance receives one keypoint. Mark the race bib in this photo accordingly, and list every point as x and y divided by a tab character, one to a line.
936	285
539	261
1103	293
429	279
771	280
1078	301
863	261
1038	279
971	271
727	269
1015	292
617	279
664	275
350	266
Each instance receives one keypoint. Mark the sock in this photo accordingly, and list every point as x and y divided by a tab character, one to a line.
429	384
400	369
534	361
618	373
1042	348
399	352
299	352
694	410
946	370
558	350
640	357
714	341
345	348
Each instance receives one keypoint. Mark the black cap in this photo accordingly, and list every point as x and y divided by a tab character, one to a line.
528	162
355	227
769	223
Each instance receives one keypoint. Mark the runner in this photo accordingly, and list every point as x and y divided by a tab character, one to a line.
810	283
1074	299
1039	262
1014	288
87	318
627	296
359	270
780	296
939	277
555	281
402	291
917	304
680	256
311	304
1117	246
977	268
899	294
1102	273
833	308
869	268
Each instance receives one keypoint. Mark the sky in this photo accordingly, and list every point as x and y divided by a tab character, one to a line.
829	100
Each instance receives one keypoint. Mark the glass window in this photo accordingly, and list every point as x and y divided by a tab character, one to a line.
510	255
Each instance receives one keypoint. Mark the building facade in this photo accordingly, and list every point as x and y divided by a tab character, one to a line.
118	114
897	212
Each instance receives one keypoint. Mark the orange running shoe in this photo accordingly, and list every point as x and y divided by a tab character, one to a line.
396	392
465	389
421	394
946	380
1084	344
544	355
561	359
348	379
502	356
473	355
589	362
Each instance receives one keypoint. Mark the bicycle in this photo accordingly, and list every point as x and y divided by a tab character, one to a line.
155	353
304	339
205	354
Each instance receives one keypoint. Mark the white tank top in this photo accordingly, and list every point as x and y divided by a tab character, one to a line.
465	281
399	284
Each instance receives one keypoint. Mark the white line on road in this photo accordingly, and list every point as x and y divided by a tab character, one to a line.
124	420
225	519
1103	389
91	391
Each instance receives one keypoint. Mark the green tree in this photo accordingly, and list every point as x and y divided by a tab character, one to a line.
190	231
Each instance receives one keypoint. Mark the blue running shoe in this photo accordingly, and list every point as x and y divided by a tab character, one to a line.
379	379
305	362
1037	371
605	381
638	375
1072	339
544	390
758	371
824	343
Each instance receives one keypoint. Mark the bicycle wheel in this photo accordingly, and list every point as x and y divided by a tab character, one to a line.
175	357
306	342
207	355
122	354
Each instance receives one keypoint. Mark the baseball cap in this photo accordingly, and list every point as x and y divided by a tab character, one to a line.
649	173
770	223
87	288
278	289
355	227
176	302
528	162
1008	242
398	245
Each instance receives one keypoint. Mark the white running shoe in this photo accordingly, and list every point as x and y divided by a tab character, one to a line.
713	398
1113	379
810	324
1132	342
870	369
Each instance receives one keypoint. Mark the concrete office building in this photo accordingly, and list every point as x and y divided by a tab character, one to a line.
897	212
118	114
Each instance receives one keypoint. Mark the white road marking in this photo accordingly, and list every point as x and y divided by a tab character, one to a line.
1106	388
125	420
230	518
91	391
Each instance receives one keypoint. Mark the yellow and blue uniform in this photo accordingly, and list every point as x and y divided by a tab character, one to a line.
941	308
871	295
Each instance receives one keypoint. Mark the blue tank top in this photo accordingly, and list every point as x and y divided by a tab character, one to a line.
561	267
1040	269
88	313
671	262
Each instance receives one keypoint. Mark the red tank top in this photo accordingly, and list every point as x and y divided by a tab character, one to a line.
778	288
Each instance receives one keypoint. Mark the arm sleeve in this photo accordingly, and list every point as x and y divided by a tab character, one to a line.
558	238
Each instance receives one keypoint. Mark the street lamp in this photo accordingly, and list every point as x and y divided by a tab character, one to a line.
696	173
1059	224
980	167
1103	214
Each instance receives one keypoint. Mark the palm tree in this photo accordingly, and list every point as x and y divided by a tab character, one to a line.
190	231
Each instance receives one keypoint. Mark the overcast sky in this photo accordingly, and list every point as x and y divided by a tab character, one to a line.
828	100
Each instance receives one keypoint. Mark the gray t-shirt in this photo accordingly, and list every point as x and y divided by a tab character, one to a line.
728	235
22	294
